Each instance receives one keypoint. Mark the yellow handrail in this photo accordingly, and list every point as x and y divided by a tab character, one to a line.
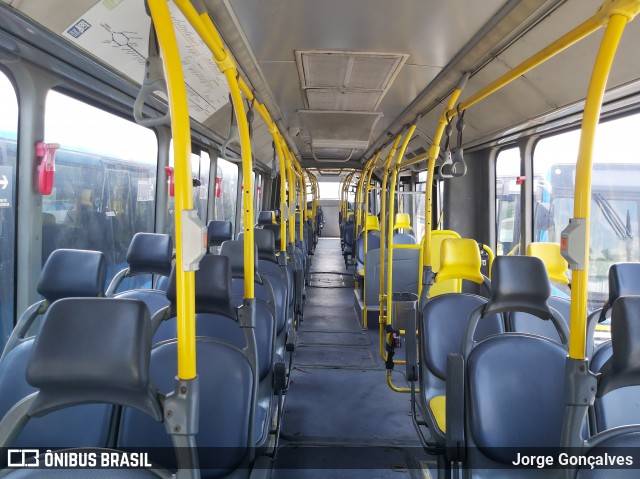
207	31
389	235
278	141
434	152
383	210
582	194
185	280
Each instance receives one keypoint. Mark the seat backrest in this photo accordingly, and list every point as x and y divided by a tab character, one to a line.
373	243
73	273
266	326
500	418
266	244
219	231
527	323
619	384
226	390
215	316
404	238
266	217
449	286
444	319
150	253
66	273
553	260
100	348
404	270
503	418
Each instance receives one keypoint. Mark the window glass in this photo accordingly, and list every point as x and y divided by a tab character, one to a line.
615	196
508	201
104	184
257	194
226	190
8	149
329	190
201	192
419	218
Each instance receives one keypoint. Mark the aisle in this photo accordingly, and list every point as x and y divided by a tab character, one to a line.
338	396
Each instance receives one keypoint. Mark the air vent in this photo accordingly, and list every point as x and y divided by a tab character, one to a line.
346	81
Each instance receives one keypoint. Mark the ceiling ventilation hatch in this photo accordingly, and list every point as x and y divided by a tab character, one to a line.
341	91
347	81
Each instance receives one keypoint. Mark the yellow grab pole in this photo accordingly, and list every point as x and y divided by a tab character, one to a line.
367	177
358	201
207	31
302	197
581	31
434	152
277	139
382	319
292	207
391	217
185	280
582	198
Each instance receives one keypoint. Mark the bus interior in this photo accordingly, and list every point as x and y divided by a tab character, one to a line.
319	239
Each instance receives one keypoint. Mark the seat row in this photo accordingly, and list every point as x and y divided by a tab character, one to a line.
241	360
490	370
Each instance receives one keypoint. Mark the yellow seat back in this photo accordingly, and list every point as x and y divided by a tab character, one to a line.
372	223
460	259
402	220
442	287
550	255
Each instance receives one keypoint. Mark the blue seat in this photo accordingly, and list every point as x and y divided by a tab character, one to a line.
265	333
66	273
148	254
617	414
89	350
442	329
218	231
618	398
492	413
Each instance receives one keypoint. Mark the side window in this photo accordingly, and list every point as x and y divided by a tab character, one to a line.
226	190
615	196
508	201
104	186
8	149
201	192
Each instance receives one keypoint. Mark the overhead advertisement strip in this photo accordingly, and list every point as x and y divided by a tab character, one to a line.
117	32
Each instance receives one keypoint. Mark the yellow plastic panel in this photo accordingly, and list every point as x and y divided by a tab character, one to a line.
402	220
460	259
372	223
438	406
550	255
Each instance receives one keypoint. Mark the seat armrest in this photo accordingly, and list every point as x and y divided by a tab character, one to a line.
455	391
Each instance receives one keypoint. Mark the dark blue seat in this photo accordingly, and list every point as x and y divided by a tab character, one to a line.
618	398
148	254
616	409
507	391
266	217
218	231
67	273
442	329
265	334
527	323
89	350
